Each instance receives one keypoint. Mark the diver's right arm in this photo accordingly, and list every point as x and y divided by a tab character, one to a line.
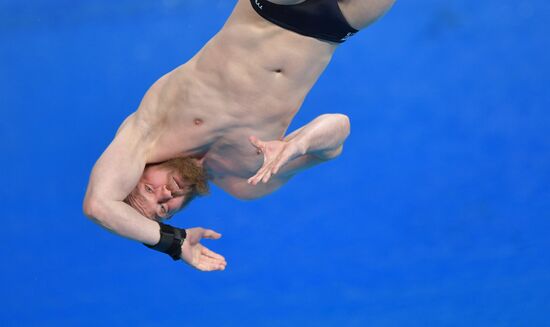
113	177
115	174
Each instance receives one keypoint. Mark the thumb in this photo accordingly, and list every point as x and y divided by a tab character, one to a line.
255	141
210	234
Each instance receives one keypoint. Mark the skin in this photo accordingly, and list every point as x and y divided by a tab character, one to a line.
229	106
159	194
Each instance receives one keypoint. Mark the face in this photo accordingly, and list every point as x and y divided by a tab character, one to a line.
159	194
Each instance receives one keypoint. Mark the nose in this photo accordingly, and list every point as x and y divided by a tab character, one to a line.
164	194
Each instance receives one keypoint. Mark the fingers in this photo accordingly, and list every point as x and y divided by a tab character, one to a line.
210	261
197	255
260	146
267	176
207	267
276	154
267	171
209	253
256	143
279	164
285	157
260	174
210	234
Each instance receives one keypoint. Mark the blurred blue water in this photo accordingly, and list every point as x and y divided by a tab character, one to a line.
437	213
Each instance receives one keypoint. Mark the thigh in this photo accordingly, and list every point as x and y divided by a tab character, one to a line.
362	13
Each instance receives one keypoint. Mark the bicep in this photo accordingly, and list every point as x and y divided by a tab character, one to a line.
120	166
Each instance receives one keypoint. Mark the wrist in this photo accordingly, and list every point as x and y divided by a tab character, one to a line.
300	146
171	241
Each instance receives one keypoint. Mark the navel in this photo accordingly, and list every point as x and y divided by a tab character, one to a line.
198	121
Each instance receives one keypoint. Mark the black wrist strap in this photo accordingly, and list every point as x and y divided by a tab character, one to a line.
171	239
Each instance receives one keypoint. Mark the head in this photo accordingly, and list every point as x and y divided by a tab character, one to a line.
167	187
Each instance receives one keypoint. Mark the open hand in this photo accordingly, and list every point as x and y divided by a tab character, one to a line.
276	154
197	255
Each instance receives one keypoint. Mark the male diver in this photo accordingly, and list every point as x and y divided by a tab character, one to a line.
222	116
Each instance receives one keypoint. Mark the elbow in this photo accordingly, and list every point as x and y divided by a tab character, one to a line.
342	128
342	122
345	124
91	207
346	129
95	209
88	208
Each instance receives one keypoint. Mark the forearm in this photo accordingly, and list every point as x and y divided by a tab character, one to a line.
323	136
123	220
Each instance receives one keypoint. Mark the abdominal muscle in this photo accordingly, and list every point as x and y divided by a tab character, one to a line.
249	79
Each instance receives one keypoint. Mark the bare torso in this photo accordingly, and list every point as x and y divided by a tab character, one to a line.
249	79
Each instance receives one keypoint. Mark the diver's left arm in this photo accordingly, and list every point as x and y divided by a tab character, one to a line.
320	140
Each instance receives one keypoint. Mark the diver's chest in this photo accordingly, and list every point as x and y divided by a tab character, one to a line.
182	138
238	159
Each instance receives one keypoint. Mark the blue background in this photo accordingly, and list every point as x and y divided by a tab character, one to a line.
436	214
